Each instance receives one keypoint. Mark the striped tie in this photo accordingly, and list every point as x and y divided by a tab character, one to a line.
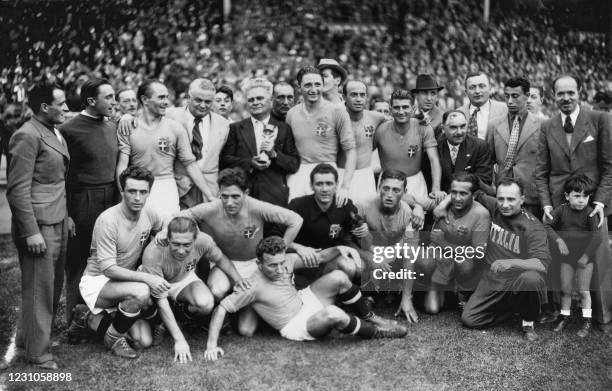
512	143
473	123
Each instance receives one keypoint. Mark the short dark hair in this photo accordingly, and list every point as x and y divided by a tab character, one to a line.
271	245
467	177
519	81
233	177
145	89
282	84
579	183
39	93
576	78
449	112
323	168
507	181
306	71
474	74
400	94
344	89
375	100
137	173
227	91
603	97
181	225
90	89
393	174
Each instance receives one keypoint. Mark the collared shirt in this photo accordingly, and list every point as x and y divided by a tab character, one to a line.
85	113
482	118
450	149
322	229
573	117
258	127
522	119
205	130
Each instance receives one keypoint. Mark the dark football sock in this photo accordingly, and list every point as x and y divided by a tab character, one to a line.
353	299
124	320
104	324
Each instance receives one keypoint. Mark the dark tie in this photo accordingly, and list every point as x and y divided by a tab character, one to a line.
196	142
568	127
473	124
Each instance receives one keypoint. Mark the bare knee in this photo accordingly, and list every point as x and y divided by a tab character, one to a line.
333	314
138	298
432	303
247	329
340	278
204	305
218	289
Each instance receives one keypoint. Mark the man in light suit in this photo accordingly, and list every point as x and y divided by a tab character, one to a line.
579	141
262	146
513	140
460	152
208	133
37	197
481	111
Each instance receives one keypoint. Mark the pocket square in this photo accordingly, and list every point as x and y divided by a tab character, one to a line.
588	139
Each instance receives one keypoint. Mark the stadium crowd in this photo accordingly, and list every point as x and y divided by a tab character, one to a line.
164	175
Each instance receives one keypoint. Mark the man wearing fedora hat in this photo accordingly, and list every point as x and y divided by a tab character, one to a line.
334	75
426	96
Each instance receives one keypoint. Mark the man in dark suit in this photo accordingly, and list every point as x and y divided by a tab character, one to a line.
263	147
579	141
460	152
37	197
513	140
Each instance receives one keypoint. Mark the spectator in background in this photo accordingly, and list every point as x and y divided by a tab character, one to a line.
223	103
382	106
14	115
535	100
127	102
426	95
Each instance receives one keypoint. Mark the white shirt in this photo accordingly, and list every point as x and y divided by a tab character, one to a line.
573	117
258	126
482	118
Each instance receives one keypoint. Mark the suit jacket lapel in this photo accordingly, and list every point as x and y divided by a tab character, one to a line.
558	134
463	156
504	131
248	132
580	130
48	137
529	127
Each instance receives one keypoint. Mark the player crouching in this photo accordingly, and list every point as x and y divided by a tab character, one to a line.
176	263
302	315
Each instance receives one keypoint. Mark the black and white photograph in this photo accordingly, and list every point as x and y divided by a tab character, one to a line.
305	195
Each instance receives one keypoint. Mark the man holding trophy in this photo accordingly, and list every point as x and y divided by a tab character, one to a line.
262	146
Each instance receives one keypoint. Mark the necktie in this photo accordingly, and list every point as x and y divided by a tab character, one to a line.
473	123
196	141
512	143
58	135
453	153
568	127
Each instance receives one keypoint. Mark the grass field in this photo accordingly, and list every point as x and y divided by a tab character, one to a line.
437	354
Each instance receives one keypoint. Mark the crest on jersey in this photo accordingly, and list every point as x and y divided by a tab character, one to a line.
163	143
249	232
369	131
334	231
190	265
412	150
322	129
144	236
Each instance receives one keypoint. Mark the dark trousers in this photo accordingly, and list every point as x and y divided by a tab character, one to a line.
86	204
499	296
42	277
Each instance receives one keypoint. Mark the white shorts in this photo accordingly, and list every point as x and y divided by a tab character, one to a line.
244	268
299	183
177	287
90	288
363	186
417	188
297	328
164	197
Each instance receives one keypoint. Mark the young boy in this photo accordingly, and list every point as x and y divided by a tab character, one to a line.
574	230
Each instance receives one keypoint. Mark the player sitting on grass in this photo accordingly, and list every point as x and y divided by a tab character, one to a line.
302	315
176	263
574	230
110	282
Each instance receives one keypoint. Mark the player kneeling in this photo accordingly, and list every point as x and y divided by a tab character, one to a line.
176	263
299	315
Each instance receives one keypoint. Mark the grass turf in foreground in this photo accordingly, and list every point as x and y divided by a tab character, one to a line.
437	354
